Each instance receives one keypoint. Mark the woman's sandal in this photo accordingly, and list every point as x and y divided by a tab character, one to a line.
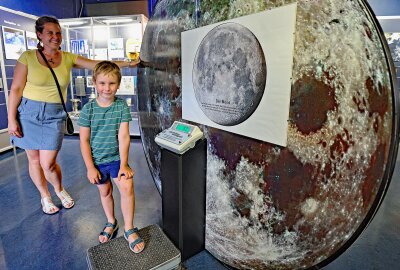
48	206
137	241
109	235
67	201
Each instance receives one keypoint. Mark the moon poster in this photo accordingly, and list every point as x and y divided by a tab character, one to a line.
236	74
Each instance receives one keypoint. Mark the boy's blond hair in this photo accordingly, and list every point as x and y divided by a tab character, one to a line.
107	67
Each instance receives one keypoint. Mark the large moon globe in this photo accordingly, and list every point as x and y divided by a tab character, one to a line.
299	206
229	74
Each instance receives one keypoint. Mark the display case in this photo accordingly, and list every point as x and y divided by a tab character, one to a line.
391	26
103	38
16	32
4	139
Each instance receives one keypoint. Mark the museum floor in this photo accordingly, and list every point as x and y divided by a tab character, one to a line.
31	240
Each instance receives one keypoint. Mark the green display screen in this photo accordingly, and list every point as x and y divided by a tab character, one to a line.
182	128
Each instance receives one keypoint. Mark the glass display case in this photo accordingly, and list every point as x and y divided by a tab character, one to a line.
391	27
103	38
16	32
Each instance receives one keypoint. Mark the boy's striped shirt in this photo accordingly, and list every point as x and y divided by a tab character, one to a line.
104	125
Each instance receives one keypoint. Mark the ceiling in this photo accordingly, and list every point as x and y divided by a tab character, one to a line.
106	1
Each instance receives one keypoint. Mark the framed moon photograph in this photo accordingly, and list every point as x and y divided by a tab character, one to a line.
236	74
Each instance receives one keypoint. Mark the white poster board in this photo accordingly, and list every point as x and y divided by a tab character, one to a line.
116	48
127	86
99	54
236	74
31	40
89	81
14	42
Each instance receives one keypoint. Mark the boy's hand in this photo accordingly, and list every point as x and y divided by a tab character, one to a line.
93	175
125	171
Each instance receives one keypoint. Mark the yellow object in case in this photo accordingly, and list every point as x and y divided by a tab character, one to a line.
133	48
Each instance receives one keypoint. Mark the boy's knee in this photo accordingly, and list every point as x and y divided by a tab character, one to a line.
126	189
105	191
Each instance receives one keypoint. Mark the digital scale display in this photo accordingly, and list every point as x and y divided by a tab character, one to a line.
179	138
183	128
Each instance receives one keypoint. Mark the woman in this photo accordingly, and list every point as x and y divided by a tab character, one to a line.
35	114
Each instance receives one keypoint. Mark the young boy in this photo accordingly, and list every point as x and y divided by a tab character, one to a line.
105	140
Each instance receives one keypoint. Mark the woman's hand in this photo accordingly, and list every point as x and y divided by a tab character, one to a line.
134	63
14	128
93	175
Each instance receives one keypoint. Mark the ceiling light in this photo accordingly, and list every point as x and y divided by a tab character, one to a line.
118	20
72	23
388	17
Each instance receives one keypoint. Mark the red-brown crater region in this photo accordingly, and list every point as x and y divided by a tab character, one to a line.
286	179
310	101
254	151
378	97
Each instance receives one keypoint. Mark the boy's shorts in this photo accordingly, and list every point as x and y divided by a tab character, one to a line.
108	170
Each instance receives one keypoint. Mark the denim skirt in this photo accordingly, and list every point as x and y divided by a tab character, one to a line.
42	125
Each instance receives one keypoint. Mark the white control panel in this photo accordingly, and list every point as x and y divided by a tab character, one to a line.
179	138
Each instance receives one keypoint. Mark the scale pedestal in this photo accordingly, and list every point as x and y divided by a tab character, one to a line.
183	180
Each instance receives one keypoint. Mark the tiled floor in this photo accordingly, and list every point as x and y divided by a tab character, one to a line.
31	240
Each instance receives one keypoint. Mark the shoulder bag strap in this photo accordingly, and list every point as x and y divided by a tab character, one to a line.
55	78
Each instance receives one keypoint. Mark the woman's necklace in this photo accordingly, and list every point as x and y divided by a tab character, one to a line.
49	59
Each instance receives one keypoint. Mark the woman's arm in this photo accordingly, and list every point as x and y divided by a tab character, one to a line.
17	87
82	62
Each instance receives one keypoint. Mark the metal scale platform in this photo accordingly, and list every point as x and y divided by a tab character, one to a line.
159	253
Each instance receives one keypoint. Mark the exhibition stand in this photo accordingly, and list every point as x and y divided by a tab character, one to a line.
183	197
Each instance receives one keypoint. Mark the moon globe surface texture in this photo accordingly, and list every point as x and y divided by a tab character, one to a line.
229	74
299	206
